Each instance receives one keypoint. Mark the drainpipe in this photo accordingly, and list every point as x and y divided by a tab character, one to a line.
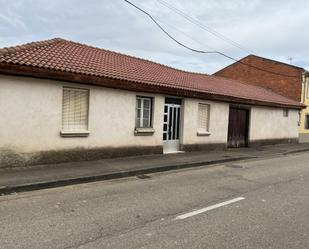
304	74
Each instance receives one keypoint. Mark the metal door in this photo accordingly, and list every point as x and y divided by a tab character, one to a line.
171	126
238	127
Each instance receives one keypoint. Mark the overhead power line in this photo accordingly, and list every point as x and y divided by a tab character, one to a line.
202	51
168	34
202	26
184	33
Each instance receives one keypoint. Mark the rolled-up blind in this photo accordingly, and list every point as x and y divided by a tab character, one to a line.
75	109
203	117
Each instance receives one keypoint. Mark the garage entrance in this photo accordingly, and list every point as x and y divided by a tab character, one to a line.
238	127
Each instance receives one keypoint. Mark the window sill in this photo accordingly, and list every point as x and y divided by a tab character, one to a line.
144	131
74	133
203	133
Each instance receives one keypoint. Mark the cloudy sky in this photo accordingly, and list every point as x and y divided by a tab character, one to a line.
276	29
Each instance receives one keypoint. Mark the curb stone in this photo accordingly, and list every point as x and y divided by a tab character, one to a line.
295	151
5	190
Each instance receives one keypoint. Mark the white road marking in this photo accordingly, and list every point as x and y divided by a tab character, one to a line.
206	209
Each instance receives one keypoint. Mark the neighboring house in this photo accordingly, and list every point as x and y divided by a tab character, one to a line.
304	119
62	101
287	80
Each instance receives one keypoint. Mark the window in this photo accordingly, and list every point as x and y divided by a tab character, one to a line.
143	112
75	108
285	112
203	118
307	122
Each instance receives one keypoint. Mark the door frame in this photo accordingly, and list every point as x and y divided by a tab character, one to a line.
178	102
248	123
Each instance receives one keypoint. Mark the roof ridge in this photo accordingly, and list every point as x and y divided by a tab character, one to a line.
259	57
132	56
272	60
7	50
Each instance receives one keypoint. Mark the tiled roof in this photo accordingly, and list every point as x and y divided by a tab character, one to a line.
71	57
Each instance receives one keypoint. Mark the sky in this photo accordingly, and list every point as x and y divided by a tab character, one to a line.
275	29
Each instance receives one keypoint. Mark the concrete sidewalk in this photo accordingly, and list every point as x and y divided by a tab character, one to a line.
47	176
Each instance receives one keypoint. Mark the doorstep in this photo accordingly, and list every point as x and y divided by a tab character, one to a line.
173	152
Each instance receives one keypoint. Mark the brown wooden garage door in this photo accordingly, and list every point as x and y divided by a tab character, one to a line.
238	127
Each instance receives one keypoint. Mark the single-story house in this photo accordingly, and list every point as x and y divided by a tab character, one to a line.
286	79
63	101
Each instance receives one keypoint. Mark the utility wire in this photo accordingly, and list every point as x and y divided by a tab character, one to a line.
174	28
202	51
184	33
202	26
168	34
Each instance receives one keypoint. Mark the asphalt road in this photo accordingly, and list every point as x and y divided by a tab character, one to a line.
142	213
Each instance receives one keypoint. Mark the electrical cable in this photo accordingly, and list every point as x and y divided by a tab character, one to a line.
202	26
202	51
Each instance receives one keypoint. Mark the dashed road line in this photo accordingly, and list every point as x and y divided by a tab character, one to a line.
206	209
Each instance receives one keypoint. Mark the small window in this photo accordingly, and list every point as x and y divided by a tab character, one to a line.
285	112
307	122
203	117
75	108
143	112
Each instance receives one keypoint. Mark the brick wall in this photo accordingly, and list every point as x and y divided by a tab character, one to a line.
289	87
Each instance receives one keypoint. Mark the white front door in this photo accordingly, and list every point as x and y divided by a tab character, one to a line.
171	128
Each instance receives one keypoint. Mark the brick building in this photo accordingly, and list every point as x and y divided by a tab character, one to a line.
290	87
287	80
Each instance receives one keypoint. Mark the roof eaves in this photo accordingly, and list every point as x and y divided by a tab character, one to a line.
13	69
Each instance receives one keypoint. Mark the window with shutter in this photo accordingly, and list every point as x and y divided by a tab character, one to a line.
75	108
203	117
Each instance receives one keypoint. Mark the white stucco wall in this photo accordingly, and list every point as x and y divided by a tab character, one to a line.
269	123
218	122
31	113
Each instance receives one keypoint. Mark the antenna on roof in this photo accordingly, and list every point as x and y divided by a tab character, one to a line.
290	59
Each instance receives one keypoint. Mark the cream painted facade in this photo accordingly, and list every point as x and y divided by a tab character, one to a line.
31	122
218	122
303	132
270	123
32	113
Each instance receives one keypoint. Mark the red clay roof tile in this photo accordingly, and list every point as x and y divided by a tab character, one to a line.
68	56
